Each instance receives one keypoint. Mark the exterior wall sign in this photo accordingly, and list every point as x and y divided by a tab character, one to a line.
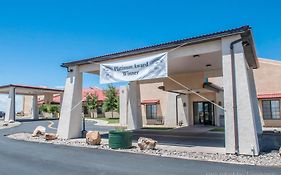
143	68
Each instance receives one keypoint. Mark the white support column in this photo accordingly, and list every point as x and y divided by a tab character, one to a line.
247	134
183	111
61	100
255	102
71	110
35	112
11	105
134	106
219	113
123	95
170	118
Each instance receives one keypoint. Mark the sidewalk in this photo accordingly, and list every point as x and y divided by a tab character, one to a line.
102	122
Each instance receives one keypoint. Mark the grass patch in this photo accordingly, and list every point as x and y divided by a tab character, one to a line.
217	130
157	128
110	120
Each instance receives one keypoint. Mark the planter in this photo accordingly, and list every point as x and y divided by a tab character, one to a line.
120	139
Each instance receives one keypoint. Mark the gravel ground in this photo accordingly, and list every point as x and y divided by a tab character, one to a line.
264	159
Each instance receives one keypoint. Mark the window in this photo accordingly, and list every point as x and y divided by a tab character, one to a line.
271	109
151	111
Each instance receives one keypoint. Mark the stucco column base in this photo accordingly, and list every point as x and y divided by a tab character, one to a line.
11	108
70	122
134	106
35	112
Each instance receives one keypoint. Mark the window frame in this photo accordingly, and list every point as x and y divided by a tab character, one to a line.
270	108
150	117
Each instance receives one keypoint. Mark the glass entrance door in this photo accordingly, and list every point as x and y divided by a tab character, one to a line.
203	113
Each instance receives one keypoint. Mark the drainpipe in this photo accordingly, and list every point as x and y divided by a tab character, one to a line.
177	111
234	94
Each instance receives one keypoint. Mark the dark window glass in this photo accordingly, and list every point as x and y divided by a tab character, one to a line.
151	111
271	109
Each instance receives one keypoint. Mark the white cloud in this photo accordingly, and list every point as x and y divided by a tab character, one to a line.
59	87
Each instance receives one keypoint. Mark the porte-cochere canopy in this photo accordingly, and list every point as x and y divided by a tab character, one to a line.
229	55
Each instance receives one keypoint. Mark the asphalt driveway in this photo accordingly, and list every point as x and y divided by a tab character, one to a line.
27	158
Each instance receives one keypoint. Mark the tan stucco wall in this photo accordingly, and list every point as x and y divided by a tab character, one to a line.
191	80
150	91
268	81
268	77
27	105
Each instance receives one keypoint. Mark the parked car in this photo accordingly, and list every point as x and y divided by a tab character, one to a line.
2	114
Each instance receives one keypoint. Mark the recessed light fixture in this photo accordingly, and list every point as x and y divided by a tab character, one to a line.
196	56
208	65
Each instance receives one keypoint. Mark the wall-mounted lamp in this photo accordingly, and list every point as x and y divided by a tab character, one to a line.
69	70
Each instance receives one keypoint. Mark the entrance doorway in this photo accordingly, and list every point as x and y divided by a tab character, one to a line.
203	113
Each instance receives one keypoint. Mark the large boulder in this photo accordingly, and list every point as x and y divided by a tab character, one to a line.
50	136
93	138
39	130
146	143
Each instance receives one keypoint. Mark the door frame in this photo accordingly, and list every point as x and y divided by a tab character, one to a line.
212	113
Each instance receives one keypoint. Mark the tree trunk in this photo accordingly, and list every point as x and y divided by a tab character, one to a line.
111	113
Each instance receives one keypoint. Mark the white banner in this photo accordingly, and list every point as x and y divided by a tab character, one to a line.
143	68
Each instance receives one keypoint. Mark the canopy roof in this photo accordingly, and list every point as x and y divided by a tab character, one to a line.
29	90
244	31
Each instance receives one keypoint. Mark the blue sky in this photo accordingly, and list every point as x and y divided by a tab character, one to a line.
37	36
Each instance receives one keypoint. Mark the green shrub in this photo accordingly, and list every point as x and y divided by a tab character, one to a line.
49	108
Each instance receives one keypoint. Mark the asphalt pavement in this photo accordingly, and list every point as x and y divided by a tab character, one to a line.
28	158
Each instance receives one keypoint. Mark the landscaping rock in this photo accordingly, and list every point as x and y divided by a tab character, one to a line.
146	143
5	124
50	136
280	151
93	138
39	130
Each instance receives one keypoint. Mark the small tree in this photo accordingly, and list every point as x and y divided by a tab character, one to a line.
92	102
111	99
